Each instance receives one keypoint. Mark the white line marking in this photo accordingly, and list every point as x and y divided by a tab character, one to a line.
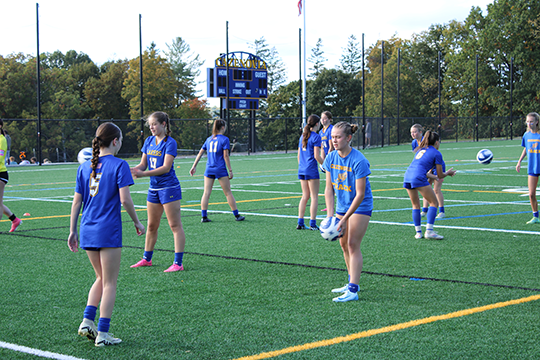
45	354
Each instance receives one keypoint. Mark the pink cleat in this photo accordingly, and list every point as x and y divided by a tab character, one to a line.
143	262
15	224
175	267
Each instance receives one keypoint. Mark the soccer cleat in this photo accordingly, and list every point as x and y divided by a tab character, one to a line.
347	296
205	219
314	228
15	224
430	234
240	218
423	214
175	267
440	216
418	235
88	329
301	227
341	289
141	263
105	338
534	220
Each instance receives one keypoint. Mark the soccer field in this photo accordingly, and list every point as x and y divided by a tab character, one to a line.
261	289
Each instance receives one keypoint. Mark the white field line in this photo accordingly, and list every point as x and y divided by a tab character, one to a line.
36	352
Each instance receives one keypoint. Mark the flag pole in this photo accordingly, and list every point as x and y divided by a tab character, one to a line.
304	119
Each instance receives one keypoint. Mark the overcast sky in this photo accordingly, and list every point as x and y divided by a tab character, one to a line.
109	30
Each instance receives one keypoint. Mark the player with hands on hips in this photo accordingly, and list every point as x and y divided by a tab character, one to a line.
347	171
416	181
218	162
531	143
164	193
102	185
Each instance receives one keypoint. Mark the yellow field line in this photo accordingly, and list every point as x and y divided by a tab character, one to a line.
387	329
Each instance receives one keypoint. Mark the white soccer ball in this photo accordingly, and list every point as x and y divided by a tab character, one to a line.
84	155
484	156
328	228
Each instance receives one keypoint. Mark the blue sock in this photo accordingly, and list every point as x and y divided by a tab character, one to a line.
178	256
104	324
535	214
441	209
312	223
300	221
424	209
417	218
431	215
148	255
204	213
235	212
353	288
90	312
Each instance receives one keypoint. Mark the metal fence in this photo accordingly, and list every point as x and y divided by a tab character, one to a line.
61	140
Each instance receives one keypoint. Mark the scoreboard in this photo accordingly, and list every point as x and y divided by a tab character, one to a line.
248	80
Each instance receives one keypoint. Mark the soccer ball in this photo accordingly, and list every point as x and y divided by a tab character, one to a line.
484	156
328	228
84	155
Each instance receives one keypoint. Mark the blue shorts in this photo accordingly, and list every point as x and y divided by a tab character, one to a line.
414	185
309	177
535	175
216	176
164	196
368	213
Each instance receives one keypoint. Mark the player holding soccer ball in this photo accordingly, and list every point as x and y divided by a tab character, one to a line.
347	172
531	143
164	194
416	181
102	184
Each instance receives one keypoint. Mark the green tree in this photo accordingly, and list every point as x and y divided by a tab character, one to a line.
351	59
334	90
185	66
277	71
192	134
317	59
104	94
17	86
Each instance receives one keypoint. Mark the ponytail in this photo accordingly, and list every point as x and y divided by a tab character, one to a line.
430	138
312	121
105	134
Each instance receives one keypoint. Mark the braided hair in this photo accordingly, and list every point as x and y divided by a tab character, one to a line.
105	134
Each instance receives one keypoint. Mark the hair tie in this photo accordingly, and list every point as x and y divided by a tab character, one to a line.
98	138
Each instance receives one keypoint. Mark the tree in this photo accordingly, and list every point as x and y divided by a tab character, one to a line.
185	66
17	86
351	59
191	134
317	59
277	71
336	91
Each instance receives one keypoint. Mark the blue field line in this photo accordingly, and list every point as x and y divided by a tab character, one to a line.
474	216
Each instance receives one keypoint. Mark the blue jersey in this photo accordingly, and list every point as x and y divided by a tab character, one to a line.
326	137
101	221
215	146
155	157
308	163
424	160
414	144
531	142
344	172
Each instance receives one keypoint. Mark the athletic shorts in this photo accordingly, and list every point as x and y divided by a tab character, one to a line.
91	248
414	185
164	196
368	213
217	175
4	176
309	177
535	175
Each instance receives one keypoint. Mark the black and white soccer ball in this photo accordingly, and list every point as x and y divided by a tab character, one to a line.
484	156
329	229
84	155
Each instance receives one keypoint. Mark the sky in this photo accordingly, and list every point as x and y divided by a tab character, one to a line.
109	30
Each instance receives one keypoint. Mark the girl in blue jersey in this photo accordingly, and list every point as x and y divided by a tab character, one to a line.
531	143
164	193
4	179
102	184
416	134
347	172
309	157
217	164
416	180
326	133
